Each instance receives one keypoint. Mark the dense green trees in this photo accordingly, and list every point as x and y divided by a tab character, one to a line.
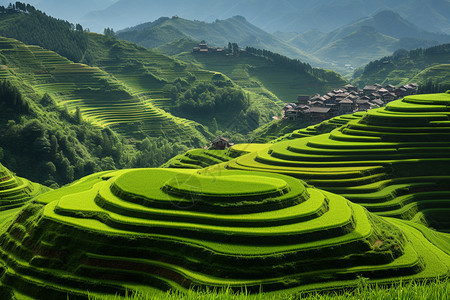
400	62
295	65
207	98
36	28
50	145
430	87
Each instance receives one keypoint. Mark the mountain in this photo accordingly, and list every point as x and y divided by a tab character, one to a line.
364	40
359	47
274	15
388	23
404	67
218	33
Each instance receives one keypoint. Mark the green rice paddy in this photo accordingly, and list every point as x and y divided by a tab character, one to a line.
394	160
133	230
16	191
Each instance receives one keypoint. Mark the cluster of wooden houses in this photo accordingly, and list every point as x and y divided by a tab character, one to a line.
346	100
204	48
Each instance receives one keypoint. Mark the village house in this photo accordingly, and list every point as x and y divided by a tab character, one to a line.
220	143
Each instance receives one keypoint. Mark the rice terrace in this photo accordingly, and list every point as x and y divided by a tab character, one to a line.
163	167
258	227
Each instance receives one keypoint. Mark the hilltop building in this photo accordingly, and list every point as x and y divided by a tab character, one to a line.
346	100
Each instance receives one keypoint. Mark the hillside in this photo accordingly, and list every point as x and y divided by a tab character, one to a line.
33	27
218	33
403	66
145	80
46	101
161	81
434	79
393	160
264	76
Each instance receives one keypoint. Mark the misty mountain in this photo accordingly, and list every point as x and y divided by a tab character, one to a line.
364	40
273	15
388	23
218	33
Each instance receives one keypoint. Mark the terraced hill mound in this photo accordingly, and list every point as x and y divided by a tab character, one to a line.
201	158
16	191
394	160
102	98
160	228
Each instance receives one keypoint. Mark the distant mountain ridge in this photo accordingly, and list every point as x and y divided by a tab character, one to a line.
274	15
364	40
218	33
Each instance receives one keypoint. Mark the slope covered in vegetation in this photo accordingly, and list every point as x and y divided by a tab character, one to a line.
16	191
394	160
267	73
219	33
402	67
113	231
46	102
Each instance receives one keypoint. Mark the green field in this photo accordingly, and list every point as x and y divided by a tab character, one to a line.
394	160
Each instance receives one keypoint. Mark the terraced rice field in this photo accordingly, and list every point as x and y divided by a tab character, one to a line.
321	128
16	191
103	99
161	228
394	160
201	158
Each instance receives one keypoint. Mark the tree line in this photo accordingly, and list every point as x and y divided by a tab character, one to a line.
295	65
36	28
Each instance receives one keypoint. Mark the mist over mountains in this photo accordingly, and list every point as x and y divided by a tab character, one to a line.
273	15
325	33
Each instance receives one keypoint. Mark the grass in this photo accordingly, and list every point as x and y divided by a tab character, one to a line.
433	290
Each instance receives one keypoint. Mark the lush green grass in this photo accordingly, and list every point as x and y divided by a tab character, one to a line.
433	290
